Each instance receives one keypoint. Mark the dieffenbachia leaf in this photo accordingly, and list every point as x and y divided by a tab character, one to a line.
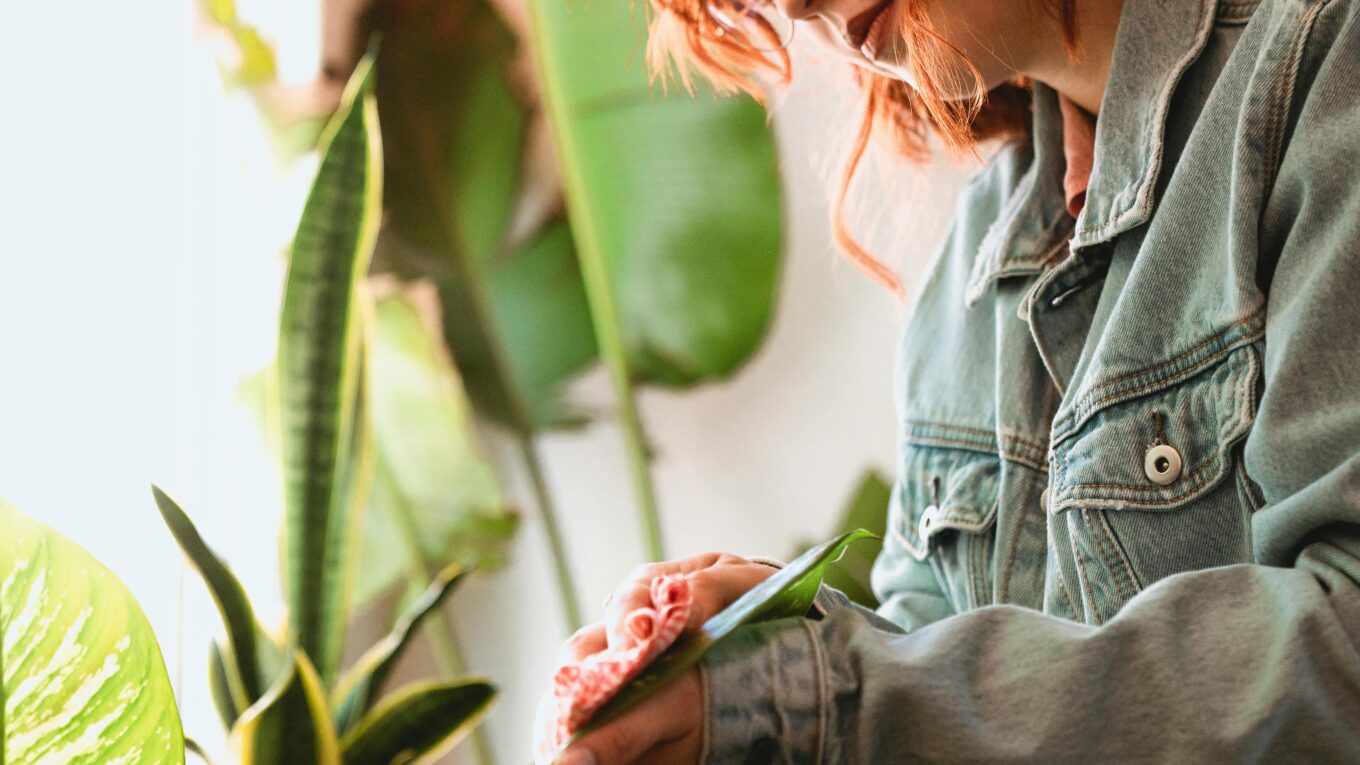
81	676
789	592
290	724
418	723
357	687
240	659
319	375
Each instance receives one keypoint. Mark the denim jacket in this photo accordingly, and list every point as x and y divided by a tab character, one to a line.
1126	525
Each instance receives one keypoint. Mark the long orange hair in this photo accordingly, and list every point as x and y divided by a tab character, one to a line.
737	59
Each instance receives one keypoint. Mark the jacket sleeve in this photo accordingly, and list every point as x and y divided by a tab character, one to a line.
1256	662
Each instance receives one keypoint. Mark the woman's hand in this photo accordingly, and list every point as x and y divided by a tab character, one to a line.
667	728
716	580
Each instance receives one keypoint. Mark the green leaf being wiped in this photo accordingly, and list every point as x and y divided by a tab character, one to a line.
867	509
789	592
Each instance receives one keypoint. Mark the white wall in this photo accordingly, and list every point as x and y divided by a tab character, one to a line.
132	300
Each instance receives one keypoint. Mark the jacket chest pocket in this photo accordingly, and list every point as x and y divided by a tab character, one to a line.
946	515
1151	484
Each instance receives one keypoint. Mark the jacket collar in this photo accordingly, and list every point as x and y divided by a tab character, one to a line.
1157	42
1033	226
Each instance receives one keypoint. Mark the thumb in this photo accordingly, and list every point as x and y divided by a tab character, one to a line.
612	745
672	713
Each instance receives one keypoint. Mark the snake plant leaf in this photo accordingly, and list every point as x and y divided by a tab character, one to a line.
789	592
674	200
319	373
290	724
515	315
435	498
242	673
196	749
219	687
81	676
418	723
357	687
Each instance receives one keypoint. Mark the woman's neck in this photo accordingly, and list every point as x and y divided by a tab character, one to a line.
1082	78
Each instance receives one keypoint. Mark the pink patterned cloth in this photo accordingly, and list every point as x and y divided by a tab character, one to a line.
580	688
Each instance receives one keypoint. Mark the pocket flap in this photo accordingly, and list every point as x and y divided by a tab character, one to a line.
943	489
1161	449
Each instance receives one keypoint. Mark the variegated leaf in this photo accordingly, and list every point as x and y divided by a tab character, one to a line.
83	678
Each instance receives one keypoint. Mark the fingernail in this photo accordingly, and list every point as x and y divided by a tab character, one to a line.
576	757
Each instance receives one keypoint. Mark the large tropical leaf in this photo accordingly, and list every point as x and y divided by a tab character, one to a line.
789	592
83	678
435	498
360	685
418	723
290	724
241	668
674	200
319	375
515	315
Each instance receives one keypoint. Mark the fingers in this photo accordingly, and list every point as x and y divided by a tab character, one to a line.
670	723
584	642
636	592
718	587
680	751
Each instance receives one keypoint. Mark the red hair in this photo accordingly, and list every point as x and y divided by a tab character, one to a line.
736	59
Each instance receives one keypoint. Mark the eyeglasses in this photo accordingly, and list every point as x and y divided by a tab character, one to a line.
755	23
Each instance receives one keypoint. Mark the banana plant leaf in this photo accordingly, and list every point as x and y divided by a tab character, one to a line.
514	314
789	592
360	685
319	376
435	498
290	724
674	200
83	677
241	668
418	723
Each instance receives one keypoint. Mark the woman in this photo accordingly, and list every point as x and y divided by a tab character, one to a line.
1126	525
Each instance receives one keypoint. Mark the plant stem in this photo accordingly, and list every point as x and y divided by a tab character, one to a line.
566	583
448	654
640	465
604	311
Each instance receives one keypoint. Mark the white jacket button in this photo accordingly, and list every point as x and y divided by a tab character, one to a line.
1162	464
